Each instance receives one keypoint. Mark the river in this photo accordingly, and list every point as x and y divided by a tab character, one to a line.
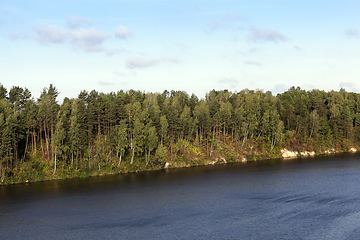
306	198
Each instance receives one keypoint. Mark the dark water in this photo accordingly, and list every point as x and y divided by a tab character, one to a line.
309	198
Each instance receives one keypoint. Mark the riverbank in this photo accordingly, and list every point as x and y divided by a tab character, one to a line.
30	172
285	154
296	154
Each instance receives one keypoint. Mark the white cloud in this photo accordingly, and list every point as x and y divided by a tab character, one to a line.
171	60
252	63
223	22
184	47
198	8
115	51
77	34
242	53
89	39
47	33
232	82
279	88
119	73
266	35
76	22
234	39
104	83
19	35
228	80
232	16
216	24
347	84
352	32
297	48
350	86
253	50
123	32
142	62
136	62
122	74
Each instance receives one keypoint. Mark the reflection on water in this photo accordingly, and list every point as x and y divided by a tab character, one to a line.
308	198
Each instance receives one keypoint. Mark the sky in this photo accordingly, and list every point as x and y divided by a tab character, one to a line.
192	46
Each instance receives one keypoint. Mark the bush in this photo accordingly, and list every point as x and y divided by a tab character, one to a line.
229	156
7	172
160	154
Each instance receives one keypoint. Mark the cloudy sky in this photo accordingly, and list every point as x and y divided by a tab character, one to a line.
195	46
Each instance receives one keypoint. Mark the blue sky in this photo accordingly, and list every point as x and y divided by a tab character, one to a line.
195	46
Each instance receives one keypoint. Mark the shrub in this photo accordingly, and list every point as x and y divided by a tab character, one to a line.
160	154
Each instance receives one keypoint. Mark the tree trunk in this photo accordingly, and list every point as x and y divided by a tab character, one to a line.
55	162
212	142
312	128
232	133
245	137
132	157
260	133
2	171
196	138
207	145
50	139
26	145
200	137
224	134
46	142
89	151
34	150
77	158
146	156
272	142
132	148
120	158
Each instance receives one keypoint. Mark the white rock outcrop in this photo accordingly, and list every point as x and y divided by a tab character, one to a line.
288	154
353	150
213	162
292	154
308	154
330	151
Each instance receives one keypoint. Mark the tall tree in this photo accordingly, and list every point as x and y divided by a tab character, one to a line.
122	141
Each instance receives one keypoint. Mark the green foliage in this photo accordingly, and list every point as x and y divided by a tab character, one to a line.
161	154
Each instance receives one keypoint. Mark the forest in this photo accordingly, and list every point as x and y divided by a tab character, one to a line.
129	131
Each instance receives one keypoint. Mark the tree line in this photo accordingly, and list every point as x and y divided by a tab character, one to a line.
97	130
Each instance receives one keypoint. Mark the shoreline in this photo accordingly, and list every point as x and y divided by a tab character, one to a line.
285	155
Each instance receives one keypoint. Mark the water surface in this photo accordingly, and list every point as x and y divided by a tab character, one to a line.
308	198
